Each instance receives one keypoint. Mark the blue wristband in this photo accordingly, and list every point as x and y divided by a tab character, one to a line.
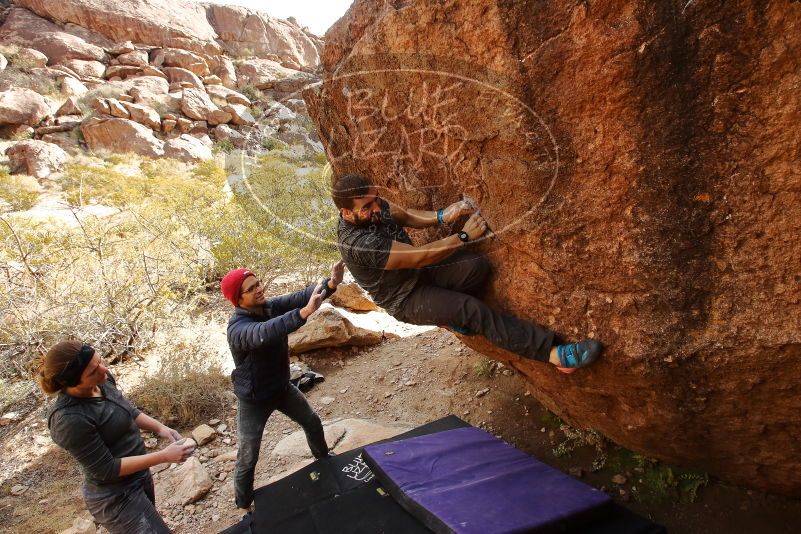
439	216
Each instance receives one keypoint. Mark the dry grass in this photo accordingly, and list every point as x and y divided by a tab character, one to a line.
19	191
186	390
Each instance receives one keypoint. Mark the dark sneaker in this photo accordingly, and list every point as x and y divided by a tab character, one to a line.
577	355
459	330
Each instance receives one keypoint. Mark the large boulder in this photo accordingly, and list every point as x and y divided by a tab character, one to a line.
189	483
26	29
72	87
328	327
152	22
240	115
293	83
261	73
223	131
350	295
197	105
225	94
121	136
246	31
134	58
69	107
143	85
180	75
85	68
29	58
187	148
638	163
22	106
143	115
173	57
36	158
226	72
122	71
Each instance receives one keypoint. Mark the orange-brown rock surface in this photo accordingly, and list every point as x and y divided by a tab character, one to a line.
640	164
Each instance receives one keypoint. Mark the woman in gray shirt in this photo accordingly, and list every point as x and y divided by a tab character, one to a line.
92	421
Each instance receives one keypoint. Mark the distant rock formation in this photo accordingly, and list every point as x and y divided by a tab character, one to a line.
157	76
203	28
639	164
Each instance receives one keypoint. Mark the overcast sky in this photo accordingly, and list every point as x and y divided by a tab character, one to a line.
318	15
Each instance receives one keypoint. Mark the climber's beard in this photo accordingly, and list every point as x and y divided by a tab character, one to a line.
372	218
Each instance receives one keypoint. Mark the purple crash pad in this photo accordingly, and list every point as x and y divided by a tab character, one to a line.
467	481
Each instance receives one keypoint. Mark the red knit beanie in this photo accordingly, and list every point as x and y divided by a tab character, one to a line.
232	283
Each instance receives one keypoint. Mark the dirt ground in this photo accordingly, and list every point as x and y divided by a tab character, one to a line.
407	381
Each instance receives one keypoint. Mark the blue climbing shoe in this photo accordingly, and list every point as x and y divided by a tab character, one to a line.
576	355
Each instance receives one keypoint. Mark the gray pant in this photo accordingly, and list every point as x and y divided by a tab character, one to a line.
444	296
251	418
126	508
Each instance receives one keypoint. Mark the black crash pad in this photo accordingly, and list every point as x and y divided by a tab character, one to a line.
340	495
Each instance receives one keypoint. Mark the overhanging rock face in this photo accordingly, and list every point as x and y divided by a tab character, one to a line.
640	164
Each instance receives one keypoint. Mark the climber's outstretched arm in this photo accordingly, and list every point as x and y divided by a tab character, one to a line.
424	219
403	256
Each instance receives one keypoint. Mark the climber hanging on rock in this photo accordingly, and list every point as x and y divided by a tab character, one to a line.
435	283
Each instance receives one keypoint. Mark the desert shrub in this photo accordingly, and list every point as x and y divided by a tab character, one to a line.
223	145
16	76
244	53
19	191
110	282
271	143
319	158
186	390
8	50
253	93
296	208
485	367
113	280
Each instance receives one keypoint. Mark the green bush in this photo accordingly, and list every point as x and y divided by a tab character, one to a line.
656	481
113	280
271	143
295	208
223	145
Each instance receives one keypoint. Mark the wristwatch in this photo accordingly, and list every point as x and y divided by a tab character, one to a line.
463	236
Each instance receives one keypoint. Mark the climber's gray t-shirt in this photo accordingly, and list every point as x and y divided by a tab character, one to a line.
365	250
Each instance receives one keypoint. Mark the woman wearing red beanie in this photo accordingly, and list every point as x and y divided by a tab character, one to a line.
257	337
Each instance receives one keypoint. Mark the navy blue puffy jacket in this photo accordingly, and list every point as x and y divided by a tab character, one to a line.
260	348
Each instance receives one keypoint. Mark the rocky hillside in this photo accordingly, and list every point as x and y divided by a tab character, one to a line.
638	163
154	78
